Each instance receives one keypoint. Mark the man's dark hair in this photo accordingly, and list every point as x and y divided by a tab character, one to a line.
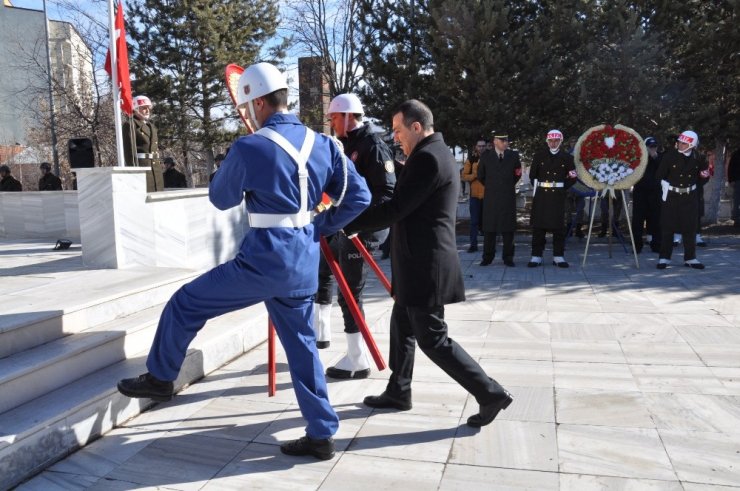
5	168
279	98
45	165
414	111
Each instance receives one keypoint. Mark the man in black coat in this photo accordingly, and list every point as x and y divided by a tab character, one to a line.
499	171
425	267
173	178
551	174
48	181
681	172
7	181
373	161
646	201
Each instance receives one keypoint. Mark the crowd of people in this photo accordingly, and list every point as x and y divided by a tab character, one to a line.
668	201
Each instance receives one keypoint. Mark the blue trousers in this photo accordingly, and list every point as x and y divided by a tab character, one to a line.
476	207
231	286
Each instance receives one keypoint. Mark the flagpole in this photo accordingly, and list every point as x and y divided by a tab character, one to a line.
114	79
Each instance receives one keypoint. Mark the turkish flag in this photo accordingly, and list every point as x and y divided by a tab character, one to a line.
122	73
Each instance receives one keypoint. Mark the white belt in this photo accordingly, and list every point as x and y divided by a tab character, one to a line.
682	190
303	216
145	155
547	184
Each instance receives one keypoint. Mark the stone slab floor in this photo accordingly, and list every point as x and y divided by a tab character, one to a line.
623	379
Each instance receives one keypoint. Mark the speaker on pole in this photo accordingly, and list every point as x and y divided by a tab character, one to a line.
80	153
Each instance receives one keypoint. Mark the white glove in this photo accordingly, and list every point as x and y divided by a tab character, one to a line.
665	185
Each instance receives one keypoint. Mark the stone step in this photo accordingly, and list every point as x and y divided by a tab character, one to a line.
43	430
77	307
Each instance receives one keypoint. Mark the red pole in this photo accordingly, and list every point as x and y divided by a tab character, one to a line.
271	371
371	262
354	309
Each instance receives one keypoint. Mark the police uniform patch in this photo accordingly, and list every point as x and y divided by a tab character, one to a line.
354	156
389	167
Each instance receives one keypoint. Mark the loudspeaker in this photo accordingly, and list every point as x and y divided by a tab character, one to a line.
80	153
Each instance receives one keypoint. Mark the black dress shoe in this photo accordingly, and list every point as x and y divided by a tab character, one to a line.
486	262
533	264
602	234
509	263
321	449
386	401
662	265
695	265
561	264
488	412
146	386
323	344
334	372
701	244
473	249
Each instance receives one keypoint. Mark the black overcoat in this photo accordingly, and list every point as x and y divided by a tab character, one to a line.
499	199
422	212
548	204
680	212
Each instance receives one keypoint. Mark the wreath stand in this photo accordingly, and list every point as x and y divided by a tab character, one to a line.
610	227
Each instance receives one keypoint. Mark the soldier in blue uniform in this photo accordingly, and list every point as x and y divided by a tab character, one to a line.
281	173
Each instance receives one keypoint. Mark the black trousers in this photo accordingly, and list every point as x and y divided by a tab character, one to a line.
679	215
616	210
646	209
355	271
539	241
489	245
426	326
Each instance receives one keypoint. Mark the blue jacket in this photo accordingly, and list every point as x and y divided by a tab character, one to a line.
285	260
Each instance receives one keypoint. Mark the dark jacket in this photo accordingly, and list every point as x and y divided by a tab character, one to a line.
423	209
648	183
733	168
373	161
173	178
680	212
10	183
548	204
499	200
145	141
50	182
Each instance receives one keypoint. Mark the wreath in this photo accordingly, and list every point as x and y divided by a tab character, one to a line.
610	157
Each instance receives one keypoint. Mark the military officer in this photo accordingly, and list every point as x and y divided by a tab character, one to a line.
140	143
681	172
551	174
499	170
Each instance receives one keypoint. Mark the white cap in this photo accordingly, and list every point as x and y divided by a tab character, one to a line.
554	135
141	100
346	103
259	80
689	137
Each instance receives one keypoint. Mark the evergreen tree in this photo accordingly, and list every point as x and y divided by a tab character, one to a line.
181	50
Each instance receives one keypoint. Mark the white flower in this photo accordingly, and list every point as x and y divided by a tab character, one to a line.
609	141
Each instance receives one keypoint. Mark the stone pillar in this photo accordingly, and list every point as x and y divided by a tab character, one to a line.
313	94
116	226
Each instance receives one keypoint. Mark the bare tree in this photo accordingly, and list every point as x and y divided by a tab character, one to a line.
329	30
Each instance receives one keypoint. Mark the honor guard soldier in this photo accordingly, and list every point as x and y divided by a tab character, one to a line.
681	172
373	160
140	144
499	170
280	172
551	174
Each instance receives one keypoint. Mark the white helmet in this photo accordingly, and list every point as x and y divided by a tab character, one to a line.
689	137
346	103
259	80
141	100
554	135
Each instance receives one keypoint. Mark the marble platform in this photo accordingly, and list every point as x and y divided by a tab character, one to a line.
623	379
39	215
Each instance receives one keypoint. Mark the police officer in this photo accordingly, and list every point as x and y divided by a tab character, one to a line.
681	172
499	170
281	173
140	143
173	178
373	160
7	181
552	173
646	201
48	181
